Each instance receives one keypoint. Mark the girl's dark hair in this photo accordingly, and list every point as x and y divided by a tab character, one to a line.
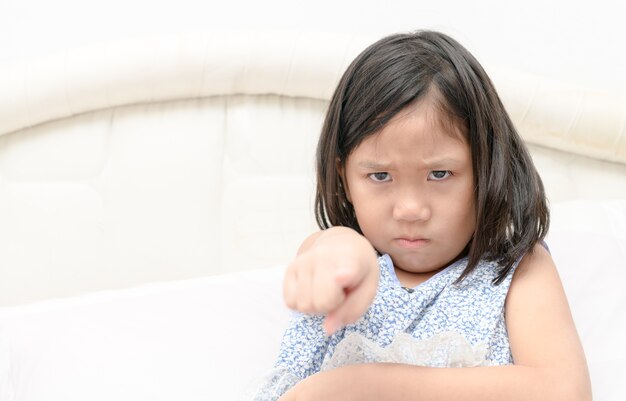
511	210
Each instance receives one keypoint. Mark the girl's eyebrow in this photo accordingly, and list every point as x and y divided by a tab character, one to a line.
445	161
375	166
432	163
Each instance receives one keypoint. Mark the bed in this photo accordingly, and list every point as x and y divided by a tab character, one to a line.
152	191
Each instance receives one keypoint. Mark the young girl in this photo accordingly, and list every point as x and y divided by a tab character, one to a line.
432	218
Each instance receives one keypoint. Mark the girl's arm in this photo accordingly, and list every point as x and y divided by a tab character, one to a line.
549	360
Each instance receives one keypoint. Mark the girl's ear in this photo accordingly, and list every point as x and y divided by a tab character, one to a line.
343	183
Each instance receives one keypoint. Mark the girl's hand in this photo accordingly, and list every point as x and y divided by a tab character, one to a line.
335	273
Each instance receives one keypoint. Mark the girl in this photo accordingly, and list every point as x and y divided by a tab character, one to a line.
432	218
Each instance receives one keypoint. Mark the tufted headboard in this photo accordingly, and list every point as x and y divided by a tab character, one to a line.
164	158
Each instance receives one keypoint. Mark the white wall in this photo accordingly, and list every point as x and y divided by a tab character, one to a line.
577	41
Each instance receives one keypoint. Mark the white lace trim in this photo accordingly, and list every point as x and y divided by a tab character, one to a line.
447	349
270	387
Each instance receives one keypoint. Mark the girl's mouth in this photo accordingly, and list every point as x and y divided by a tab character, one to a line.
411	243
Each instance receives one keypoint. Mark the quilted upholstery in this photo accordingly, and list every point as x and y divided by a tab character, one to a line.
175	157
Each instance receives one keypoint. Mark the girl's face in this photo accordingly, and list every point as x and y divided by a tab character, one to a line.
412	188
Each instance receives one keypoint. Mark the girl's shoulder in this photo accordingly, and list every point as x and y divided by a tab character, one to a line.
535	278
537	264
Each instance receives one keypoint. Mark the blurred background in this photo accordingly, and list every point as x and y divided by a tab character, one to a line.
579	42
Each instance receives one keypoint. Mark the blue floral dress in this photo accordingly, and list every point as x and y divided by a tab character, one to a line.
473	308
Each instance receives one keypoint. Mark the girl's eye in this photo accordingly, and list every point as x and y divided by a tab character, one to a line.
379	177
439	175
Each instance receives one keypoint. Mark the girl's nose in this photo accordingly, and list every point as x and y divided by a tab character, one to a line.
411	208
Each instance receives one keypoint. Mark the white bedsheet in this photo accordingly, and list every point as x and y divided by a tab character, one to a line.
210	338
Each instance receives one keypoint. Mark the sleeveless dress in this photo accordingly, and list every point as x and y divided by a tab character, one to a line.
472	310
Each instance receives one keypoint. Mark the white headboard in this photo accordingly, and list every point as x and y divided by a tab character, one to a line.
164	158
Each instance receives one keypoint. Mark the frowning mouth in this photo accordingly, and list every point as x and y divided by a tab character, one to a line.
411	243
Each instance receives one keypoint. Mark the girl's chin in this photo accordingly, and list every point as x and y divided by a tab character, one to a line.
413	263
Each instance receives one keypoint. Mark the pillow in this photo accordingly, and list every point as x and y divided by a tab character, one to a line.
200	339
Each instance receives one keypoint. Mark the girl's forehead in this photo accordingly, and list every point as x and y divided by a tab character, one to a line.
420	129
435	112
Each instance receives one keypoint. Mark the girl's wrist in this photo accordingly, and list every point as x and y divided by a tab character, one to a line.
354	238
